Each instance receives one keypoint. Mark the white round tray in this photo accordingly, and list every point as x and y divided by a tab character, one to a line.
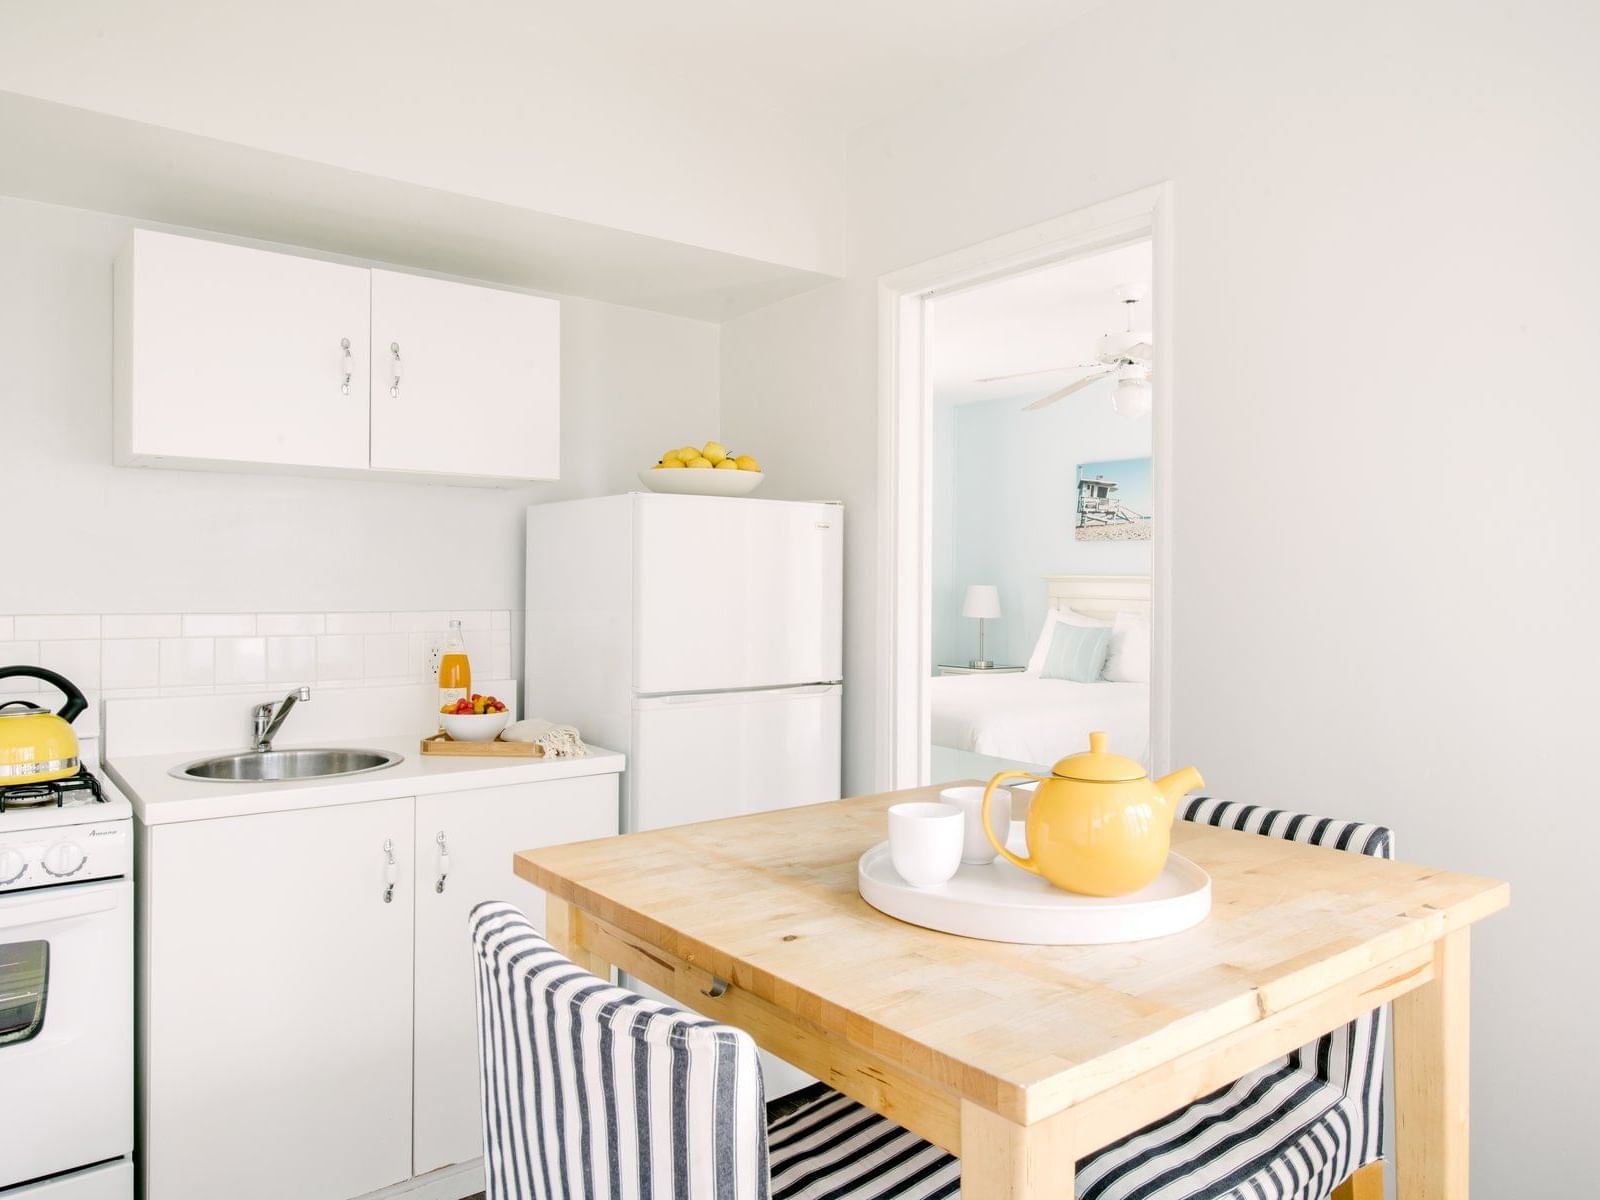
1003	903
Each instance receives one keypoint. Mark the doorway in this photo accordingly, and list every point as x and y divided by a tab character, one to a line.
1026	465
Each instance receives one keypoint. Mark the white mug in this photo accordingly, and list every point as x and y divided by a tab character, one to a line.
975	847
925	841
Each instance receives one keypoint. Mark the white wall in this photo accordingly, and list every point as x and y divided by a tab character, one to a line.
1008	498
1383	234
86	536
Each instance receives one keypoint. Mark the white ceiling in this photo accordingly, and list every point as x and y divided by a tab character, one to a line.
1049	318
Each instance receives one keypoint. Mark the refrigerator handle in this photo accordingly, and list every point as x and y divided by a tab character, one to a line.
804	689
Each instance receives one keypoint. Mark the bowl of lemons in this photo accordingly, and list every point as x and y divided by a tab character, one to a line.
707	471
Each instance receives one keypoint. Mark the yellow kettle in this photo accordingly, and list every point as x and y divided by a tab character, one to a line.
37	745
1098	824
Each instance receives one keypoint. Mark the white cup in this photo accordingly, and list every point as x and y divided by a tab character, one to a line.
975	847
925	841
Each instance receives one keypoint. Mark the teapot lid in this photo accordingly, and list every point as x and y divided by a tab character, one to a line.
1098	765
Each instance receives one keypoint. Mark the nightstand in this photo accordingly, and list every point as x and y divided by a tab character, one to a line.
945	669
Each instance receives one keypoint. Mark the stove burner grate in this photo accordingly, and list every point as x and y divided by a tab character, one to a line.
58	792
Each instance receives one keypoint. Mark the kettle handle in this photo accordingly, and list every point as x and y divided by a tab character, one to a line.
999	843
73	708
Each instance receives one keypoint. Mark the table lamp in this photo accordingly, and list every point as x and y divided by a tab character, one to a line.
983	602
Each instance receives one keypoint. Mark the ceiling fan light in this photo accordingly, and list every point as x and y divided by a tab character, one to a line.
1132	398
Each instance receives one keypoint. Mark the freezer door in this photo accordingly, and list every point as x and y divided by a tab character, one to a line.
699	758
736	593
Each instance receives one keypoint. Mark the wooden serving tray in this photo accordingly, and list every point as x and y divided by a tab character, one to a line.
442	743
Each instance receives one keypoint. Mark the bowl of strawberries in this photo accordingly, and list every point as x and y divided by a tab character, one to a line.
474	719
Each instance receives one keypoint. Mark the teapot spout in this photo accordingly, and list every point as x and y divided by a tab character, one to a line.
1176	786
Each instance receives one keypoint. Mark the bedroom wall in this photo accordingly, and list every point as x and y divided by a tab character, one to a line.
1381	230
1009	484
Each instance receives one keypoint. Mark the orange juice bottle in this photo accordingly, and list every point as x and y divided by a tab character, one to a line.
455	672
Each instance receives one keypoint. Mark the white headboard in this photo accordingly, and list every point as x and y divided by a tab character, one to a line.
1101	596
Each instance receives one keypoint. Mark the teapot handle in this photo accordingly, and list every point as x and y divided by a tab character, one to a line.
997	842
75	703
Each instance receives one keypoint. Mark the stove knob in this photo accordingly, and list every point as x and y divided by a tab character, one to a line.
12	865
63	859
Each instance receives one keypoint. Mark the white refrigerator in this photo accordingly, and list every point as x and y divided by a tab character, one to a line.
701	636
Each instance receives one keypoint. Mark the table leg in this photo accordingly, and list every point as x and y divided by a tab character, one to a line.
1431	1095
561	931
1001	1160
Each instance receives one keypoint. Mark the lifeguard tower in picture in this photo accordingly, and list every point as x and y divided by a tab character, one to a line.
1097	505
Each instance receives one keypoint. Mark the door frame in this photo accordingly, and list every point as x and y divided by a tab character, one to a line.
904	658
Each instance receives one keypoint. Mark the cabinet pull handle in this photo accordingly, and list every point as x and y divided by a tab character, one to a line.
390	871
344	344
394	388
444	862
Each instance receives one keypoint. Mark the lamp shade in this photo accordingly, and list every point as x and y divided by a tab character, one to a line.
983	600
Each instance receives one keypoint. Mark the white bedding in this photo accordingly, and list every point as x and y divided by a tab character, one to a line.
1033	720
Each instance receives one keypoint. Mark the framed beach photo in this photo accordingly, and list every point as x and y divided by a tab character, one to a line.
1114	501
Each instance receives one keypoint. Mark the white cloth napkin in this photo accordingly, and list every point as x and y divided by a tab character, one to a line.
557	741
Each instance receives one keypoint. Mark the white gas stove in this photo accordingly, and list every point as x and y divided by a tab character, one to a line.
66	989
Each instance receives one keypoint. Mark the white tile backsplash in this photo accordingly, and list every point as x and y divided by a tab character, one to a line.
241	660
187	662
291	660
218	624
130	663
339	657
79	661
290	624
149	654
39	629
141	625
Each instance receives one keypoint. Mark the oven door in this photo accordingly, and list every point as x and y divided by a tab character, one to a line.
66	1027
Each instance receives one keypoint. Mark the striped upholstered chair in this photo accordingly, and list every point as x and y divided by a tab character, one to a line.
591	1090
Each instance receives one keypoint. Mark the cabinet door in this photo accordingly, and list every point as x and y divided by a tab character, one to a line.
478	388
230	354
480	831
278	1005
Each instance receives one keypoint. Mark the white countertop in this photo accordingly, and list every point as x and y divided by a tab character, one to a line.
158	798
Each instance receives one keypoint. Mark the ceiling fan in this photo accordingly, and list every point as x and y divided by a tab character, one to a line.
1125	357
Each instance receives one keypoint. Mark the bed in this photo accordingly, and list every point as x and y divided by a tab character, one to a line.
1021	719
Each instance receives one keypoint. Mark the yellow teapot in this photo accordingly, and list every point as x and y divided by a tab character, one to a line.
1098	824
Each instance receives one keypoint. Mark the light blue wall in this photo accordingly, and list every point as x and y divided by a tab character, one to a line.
1004	490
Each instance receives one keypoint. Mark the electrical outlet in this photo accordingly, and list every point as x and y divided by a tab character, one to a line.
435	643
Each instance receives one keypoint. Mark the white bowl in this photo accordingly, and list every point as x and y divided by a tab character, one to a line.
700	481
473	727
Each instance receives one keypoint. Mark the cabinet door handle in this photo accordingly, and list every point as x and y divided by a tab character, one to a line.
444	862
344	344
390	871
394	387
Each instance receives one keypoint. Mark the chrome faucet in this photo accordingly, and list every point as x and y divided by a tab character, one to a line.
268	722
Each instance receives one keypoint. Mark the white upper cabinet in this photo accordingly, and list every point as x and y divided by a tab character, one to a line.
465	380
229	356
236	356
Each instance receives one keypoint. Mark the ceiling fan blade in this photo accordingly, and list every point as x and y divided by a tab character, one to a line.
1063	393
1140	352
1023	374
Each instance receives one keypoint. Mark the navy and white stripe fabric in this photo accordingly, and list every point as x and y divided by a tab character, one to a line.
1351	1057
592	1091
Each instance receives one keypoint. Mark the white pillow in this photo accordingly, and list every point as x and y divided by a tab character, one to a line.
1041	648
1129	659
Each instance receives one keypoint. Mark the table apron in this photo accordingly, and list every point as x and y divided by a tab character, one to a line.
933	1110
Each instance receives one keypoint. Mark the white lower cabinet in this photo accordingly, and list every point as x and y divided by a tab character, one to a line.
475	829
278	1049
300	1034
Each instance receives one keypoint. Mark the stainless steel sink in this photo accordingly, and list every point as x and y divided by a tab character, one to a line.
262	766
